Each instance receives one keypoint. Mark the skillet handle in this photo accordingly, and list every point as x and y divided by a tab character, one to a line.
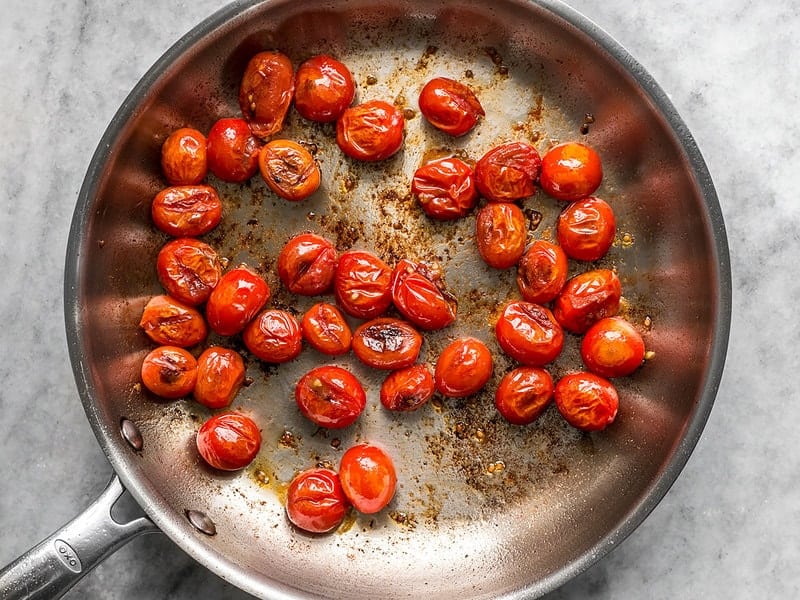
52	567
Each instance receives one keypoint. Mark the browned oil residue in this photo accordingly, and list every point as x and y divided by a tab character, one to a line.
404	519
497	60
288	440
422	63
371	80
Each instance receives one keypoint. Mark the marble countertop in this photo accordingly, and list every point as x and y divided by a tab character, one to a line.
728	528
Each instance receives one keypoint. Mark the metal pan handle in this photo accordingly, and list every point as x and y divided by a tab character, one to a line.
52	567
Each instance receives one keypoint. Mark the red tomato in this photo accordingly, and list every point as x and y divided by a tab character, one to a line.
169	322
463	368
571	171
368	478
542	272
232	150
419	293
184	159
266	92
524	394
169	372
220	375
587	298
370	131
362	284
324	88
500	234
586	401
612	348
529	333
229	441
445	188
188	269
307	264
330	397
450	106
239	295
186	210
407	389
315	501
325	329
586	229
274	336
387	343
288	169
507	172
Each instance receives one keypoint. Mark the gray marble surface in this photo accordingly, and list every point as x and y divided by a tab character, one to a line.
729	526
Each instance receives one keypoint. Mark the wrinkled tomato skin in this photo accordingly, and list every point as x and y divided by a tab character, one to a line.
368	478
186	210
450	106
220	376
232	150
189	270
307	264
236	299
445	188
371	131
529	333
274	336
407	389
324	88
330	396
288	169
500	234
570	171
229	441
586	229
419	293
387	343
184	159
315	501
463	368
612	348
169	372
587	298
507	172
169	322
325	329
587	401
524	394
266	92
542	272
362	284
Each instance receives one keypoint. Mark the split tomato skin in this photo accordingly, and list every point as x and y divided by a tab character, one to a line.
587	298
500	234
288	169
330	397
586	229
529	333
445	188
236	300
362	284
587	401
184	158
325	329
420	295
450	106
463	368
274	336
315	501
186	210
570	171
324	88
612	347
507	172
266	91
189	270
232	150
542	272
372	131
368	477
387	343
407	389
220	376
229	441
307	264
169	372
524	394
169	322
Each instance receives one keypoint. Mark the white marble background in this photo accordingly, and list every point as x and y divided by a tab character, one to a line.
730	526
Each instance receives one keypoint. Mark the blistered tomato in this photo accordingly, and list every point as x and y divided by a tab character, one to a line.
463	368
169	322
288	169
236	299
324	88
183	157
407	389
571	171
419	293
362	284
325	329
186	210
370	131
274	336
586	229
587	401
315	500
507	172
229	441
387	343
445	188
612	348
524	394
220	375
587	298
368	477
450	106
169	372
500	234
232	150
542	272
307	264
188	269
330	396
529	333
266	92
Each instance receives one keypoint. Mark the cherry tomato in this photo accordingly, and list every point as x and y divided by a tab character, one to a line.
324	88
229	441
587	401
419	293
274	336
507	172
289	169
330	397
368	478
307	264
463	368
529	333
315	501
570	171
387	343
524	394
169	372
542	272
586	229
186	210
266	92
500	234
362	284
587	298
450	106
170	322
407	389
239	295
325	329
188	269
445	188
612	348
370	131
232	150
220	375
184	159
